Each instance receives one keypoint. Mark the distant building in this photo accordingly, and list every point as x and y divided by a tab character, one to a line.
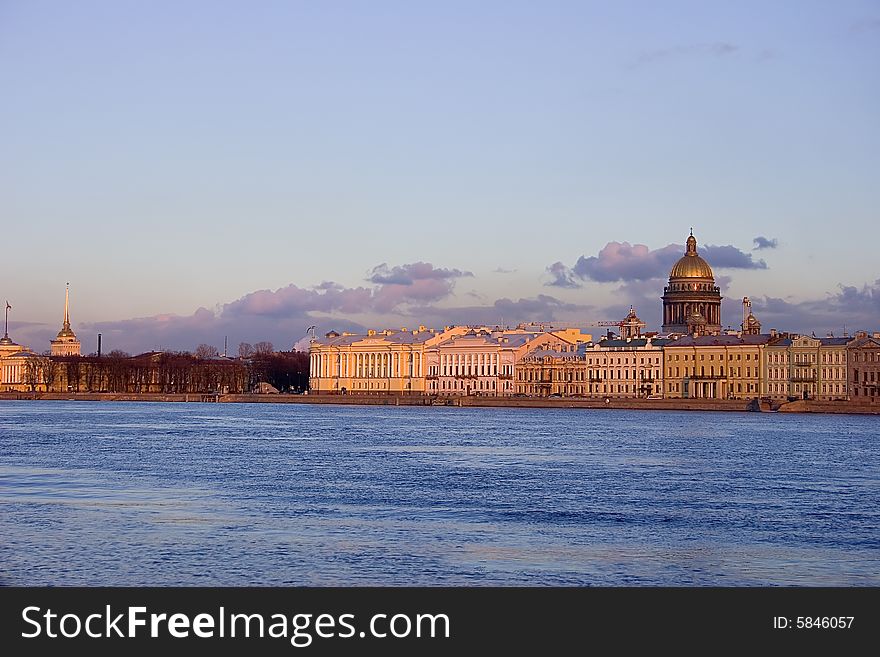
380	362
691	300
613	367
19	366
483	361
863	361
804	367
66	343
714	366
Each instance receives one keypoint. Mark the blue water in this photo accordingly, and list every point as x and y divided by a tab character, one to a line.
264	494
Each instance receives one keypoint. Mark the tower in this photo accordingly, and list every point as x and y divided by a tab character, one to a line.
750	325
66	343
691	300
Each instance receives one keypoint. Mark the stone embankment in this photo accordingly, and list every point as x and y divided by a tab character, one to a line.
800	406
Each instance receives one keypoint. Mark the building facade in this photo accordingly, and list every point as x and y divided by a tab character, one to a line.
484	361
613	368
378	363
691	300
804	367
863	364
714	366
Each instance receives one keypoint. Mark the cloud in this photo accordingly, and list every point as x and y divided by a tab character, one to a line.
857	308
716	49
292	301
730	257
283	315
562	276
765	243
409	274
505	312
502	270
622	261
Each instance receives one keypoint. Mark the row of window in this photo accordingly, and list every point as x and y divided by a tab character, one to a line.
712	357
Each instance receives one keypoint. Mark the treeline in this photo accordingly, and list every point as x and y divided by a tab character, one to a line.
169	372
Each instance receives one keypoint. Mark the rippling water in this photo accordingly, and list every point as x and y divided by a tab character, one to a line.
264	494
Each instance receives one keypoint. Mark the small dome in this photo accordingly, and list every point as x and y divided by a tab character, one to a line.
696	317
691	265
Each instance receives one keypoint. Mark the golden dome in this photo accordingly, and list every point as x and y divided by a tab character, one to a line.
690	265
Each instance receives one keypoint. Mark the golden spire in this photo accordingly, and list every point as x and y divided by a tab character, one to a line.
67	307
65	331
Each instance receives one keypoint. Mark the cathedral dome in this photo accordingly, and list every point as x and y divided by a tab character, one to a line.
690	265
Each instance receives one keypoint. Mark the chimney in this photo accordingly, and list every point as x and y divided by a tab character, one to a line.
99	345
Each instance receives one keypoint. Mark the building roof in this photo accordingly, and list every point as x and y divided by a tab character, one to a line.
691	265
396	337
720	340
633	343
834	342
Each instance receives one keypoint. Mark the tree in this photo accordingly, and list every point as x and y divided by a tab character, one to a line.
288	371
264	348
205	351
48	371
33	376
245	350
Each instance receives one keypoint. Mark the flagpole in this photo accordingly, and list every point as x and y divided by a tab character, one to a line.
6	330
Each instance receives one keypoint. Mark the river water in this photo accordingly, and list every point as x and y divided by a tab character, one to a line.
271	494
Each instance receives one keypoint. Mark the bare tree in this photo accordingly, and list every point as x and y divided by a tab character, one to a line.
264	348
32	374
245	350
48	371
205	351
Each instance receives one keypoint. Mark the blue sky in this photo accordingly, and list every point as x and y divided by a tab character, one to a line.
167	157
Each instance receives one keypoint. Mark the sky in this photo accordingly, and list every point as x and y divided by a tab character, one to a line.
201	171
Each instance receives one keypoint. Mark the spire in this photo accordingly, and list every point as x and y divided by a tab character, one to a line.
66	331
67	308
5	339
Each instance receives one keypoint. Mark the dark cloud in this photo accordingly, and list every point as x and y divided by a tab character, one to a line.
622	261
713	50
504	312
856	308
562	276
293	301
730	257
765	243
184	332
409	274
282	315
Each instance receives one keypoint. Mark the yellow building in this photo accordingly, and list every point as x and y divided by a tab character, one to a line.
483	361
619	368
380	362
714	366
804	367
19	366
